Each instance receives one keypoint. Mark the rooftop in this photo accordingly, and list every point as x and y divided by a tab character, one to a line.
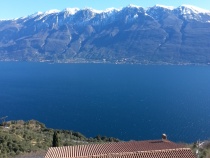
131	149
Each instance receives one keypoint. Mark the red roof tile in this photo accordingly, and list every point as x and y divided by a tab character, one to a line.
132	149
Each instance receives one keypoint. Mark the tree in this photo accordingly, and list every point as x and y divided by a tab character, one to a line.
55	142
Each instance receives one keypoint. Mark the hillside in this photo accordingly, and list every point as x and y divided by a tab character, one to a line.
33	138
156	35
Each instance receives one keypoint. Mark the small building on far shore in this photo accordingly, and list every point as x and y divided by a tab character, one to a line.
162	148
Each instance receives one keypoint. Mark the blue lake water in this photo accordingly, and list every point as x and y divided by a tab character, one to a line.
124	101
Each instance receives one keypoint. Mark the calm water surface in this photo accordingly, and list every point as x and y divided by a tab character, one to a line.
123	101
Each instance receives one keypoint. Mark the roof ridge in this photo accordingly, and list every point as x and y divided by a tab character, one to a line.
121	142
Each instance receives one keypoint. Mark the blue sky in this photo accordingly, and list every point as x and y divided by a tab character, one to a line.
10	9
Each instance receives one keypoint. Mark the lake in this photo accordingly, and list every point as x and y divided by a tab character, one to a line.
130	102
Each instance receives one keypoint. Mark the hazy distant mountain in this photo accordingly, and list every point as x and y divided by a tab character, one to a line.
132	34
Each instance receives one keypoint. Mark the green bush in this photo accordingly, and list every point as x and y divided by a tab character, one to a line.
31	136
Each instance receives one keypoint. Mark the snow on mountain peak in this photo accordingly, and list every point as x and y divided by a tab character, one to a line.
165	7
94	11
35	14
188	9
71	11
53	11
109	10
133	6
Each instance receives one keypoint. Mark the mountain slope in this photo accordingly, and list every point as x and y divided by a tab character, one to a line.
19	137
159	34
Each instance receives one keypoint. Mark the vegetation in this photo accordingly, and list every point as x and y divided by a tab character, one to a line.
55	142
31	139
22	137
203	149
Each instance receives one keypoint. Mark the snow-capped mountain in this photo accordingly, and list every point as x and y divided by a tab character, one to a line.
158	34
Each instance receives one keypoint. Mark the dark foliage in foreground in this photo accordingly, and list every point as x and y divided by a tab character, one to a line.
202	149
22	137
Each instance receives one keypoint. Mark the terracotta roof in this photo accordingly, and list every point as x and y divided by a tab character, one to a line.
132	149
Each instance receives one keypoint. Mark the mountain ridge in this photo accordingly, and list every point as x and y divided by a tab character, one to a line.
73	11
156	35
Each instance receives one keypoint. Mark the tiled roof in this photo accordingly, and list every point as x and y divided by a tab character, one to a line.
132	149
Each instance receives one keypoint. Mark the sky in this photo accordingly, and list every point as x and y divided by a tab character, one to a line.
10	9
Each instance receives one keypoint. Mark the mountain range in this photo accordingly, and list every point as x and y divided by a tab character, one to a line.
155	35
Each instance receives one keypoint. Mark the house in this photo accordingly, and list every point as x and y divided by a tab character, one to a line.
133	149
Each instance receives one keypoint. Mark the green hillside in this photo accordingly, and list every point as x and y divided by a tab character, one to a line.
22	137
31	139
